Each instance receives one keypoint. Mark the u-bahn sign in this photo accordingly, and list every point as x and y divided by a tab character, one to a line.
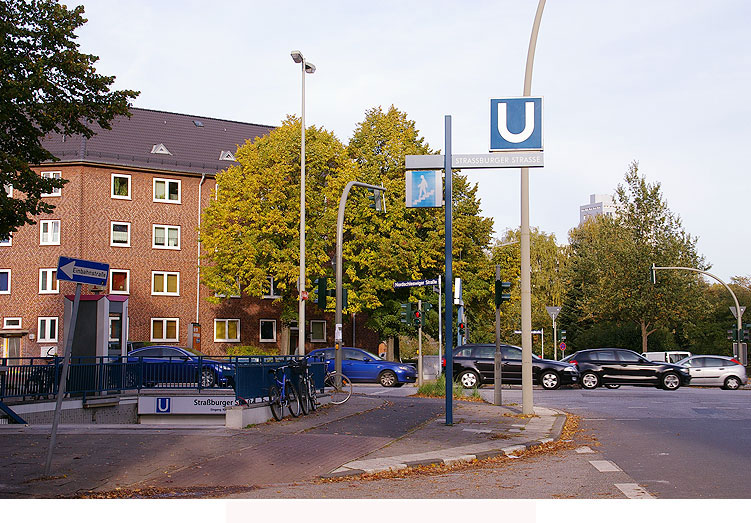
516	124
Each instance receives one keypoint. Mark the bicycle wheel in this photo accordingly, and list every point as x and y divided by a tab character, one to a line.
304	399
312	397
293	399
275	402
341	393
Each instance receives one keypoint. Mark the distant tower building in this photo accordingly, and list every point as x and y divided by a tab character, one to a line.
598	204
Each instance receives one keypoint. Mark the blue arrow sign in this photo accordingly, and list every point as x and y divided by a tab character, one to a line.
82	271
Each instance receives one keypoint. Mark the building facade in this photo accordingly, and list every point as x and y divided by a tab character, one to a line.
599	204
133	200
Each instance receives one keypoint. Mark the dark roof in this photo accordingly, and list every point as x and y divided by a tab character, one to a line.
195	143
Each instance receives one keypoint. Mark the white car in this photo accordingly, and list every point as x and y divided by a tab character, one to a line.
715	371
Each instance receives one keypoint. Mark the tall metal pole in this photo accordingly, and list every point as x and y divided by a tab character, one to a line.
555	341
526	277
449	302
498	367
63	379
301	290
440	326
419	346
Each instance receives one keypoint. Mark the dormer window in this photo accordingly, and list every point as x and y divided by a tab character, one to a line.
227	156
160	149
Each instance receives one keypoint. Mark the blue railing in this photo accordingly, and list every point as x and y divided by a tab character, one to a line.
40	377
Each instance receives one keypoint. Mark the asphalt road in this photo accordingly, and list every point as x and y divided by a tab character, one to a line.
690	443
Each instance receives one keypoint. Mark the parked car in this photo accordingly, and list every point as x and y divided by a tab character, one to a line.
612	366
167	364
715	371
362	366
474	366
671	356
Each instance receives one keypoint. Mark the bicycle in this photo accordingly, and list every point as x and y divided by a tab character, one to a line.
304	380
283	394
340	392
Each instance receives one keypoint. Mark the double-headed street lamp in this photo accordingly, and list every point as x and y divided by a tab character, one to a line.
309	68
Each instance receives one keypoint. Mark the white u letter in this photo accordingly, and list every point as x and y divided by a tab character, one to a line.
529	123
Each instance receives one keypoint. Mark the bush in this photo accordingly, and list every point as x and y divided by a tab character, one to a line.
250	350
437	388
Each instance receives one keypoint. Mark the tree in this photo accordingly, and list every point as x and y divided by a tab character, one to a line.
46	86
609	278
250	230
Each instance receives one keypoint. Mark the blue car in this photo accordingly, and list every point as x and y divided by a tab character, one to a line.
362	366
162	364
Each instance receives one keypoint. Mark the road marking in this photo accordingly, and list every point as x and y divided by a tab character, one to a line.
584	450
638	407
626	419
479	431
633	491
605	466
595	419
379	392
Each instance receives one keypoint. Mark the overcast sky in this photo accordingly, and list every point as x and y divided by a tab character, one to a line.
665	83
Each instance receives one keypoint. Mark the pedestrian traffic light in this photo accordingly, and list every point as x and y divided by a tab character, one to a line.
733	334
417	319
427	306
321	293
461	328
561	335
375	198
745	335
405	313
501	296
345	301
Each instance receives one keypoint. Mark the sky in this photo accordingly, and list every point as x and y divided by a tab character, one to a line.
664	83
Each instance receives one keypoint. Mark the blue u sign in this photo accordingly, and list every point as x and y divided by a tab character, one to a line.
516	124
163	405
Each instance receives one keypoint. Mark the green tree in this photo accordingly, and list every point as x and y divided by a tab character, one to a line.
46	86
250	230
609	278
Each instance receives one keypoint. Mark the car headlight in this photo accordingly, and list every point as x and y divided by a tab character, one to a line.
404	367
570	368
225	367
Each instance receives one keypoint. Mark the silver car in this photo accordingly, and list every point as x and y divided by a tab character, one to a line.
715	371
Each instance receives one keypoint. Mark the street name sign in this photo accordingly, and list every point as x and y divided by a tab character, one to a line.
82	271
415	283
516	124
503	159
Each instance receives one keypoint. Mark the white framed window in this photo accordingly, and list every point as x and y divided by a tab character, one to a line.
119	281
4	281
119	234
49	232
268	331
165	237
165	329
53	175
8	241
166	190
120	187
165	283
116	328
317	330
48	281
226	330
274	290
11	323
47	329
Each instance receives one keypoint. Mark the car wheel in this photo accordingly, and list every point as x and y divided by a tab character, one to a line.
550	380
732	383
387	379
207	378
670	381
590	380
612	385
469	379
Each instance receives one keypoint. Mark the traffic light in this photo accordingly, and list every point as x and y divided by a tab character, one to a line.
733	334
375	199
405	313
345	301
417	319
427	306
745	335
501	296
461	328
321	293
561	335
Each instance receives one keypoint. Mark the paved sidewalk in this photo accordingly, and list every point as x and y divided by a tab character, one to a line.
368	433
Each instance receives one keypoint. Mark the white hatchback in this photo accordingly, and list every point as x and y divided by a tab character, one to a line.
715	371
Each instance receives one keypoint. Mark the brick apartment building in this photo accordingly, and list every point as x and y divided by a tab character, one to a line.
133	200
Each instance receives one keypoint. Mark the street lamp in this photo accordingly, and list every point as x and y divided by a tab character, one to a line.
310	69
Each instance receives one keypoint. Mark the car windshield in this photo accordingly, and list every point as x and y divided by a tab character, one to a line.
373	356
684	361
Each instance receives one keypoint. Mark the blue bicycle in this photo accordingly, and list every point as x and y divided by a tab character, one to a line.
283	394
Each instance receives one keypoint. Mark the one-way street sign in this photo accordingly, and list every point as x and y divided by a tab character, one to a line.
82	271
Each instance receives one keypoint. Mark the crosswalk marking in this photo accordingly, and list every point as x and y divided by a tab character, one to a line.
605	466
633	491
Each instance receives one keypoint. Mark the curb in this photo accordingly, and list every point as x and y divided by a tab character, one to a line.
455	455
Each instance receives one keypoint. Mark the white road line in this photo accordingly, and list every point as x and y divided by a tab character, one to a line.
379	392
605	466
584	450
479	431
633	491
595	419
638	407
626	419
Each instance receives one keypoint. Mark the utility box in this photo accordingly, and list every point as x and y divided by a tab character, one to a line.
99	317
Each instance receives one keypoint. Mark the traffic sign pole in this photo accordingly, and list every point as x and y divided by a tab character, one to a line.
419	346
449	303
498	363
63	379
